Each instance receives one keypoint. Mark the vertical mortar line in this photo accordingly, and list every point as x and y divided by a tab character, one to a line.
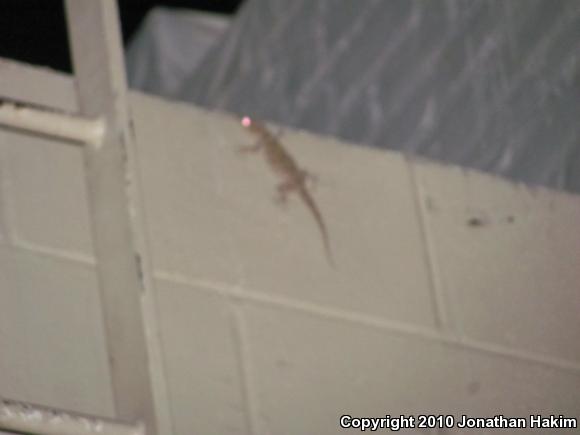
149	299
429	251
9	217
244	370
126	285
5	218
137	206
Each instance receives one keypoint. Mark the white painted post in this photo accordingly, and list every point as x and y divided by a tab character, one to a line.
123	262
40	420
52	123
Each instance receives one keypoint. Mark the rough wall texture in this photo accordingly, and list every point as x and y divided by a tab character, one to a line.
453	292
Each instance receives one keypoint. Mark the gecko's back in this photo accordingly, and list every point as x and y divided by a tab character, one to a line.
277	157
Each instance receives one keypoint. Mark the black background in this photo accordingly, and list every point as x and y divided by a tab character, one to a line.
34	31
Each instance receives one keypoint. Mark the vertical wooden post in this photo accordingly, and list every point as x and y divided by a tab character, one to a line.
120	245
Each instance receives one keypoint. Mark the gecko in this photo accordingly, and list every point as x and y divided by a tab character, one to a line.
293	177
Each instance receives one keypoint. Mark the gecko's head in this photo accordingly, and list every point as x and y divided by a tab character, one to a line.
250	124
246	121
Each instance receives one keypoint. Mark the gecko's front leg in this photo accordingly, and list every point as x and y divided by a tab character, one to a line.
247	149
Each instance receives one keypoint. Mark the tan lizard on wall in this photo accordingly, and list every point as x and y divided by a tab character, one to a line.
293	177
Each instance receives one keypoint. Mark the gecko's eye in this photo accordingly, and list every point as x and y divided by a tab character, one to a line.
246	121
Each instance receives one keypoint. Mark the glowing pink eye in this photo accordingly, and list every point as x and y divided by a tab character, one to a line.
246	121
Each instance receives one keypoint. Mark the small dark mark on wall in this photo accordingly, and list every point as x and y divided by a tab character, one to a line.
132	128
477	218
139	264
430	204
479	221
476	222
473	387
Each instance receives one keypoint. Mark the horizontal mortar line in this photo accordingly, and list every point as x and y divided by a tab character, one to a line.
331	313
502	351
54	253
404	329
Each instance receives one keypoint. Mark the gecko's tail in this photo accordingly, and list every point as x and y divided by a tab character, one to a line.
328	251
326	243
305	195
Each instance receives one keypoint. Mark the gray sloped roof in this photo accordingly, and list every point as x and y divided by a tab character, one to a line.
488	84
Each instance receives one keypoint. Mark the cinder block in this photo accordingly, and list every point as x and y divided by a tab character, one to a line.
508	260
45	194
51	334
213	216
181	170
308	371
202	361
3	211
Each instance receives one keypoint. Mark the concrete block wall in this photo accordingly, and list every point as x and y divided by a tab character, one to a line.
453	292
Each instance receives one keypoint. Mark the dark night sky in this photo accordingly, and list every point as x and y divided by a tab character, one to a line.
34	31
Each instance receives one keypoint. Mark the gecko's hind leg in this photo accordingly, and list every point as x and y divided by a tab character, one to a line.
282	190
309	178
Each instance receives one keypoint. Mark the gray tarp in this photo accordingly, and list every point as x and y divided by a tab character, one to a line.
487	84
